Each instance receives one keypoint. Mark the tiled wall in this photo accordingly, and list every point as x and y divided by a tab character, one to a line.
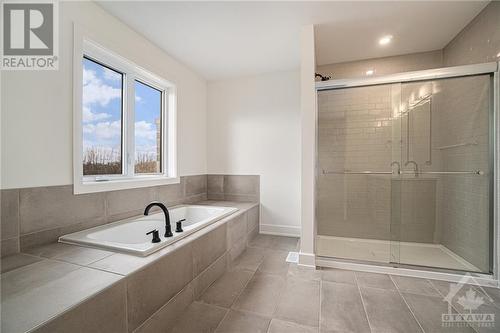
357	132
233	188
478	42
383	66
354	134
34	216
462	116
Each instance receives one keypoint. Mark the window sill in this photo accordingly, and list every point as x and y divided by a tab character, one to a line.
122	184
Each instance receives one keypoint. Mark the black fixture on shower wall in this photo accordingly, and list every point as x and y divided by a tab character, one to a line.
323	78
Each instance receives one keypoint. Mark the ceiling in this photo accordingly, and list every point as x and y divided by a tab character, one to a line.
231	39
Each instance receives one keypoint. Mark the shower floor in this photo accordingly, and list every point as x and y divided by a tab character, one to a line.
421	254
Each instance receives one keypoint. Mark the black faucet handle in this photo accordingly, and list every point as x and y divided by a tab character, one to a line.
156	235
178	225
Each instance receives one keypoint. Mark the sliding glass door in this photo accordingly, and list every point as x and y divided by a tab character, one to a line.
405	173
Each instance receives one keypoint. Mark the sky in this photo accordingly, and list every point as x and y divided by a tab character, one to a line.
102	99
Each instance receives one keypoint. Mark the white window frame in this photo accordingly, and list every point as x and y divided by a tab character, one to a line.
85	47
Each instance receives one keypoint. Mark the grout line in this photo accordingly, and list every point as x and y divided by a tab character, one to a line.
362	302
239	294
453	306
407	305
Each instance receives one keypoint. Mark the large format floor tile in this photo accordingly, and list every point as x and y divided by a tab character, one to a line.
338	275
199	317
300	302
250	259
280	326
387	311
243	322
274	263
374	280
275	242
261	295
342	309
280	297
415	285
428	311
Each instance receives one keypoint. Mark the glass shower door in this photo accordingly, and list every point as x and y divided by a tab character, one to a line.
441	212
356	149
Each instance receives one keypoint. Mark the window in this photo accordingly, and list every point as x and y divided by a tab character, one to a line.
148	132
102	104
124	123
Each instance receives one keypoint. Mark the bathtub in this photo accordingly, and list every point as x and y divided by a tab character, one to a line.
129	235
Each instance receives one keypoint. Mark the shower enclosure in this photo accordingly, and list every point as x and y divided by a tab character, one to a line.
405	169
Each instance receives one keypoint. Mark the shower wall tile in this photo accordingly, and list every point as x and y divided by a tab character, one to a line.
383	66
478	42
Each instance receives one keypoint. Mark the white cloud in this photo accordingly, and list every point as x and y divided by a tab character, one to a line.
111	75
96	91
103	130
138	98
88	116
145	130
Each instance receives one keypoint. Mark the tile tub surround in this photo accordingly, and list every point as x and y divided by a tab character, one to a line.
233	188
38	216
121	292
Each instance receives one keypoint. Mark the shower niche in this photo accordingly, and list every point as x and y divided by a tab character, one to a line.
404	173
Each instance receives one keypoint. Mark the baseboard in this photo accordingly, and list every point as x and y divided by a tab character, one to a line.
279	230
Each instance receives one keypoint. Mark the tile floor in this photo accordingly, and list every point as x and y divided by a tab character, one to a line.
263	293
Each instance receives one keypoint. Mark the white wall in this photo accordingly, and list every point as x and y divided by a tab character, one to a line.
37	106
254	128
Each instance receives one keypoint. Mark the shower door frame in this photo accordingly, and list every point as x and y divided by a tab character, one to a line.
491	68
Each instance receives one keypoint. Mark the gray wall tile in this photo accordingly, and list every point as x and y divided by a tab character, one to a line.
210	275
51	235
172	194
168	315
44	208
9	246
234	187
10	213
45	213
209	247
150	288
119	202
253	216
241	185
215	184
237	229
196	185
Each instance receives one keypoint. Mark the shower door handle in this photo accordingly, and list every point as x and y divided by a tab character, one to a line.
472	172
357	172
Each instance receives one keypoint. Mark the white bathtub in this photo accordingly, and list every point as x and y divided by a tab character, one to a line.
130	235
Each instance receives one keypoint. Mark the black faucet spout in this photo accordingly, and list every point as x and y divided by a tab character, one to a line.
168	228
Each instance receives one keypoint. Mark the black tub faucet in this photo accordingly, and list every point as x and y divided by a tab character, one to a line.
168	228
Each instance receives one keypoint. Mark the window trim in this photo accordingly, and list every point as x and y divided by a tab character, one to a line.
89	48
